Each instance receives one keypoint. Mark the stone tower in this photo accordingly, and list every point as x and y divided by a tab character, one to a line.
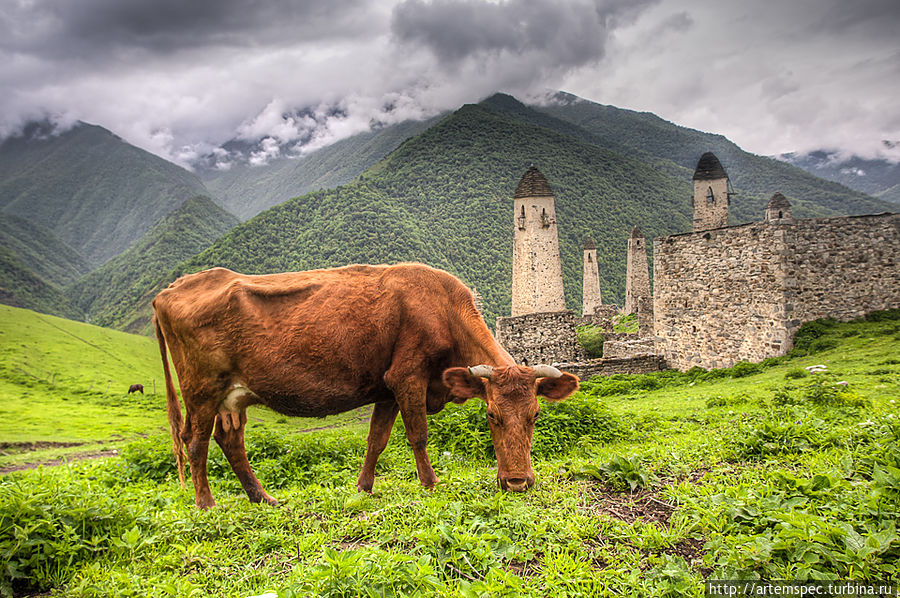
711	194
537	285
778	209
637	274
590	295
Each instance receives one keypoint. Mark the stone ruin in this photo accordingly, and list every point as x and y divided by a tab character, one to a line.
720	294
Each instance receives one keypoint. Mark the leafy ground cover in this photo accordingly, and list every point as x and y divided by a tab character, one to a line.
647	486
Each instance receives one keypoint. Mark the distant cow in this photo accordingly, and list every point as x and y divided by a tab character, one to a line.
407	338
136	388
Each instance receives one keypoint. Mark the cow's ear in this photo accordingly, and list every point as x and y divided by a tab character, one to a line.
462	384
557	389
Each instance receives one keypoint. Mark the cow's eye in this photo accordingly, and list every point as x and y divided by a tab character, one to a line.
493	418
536	415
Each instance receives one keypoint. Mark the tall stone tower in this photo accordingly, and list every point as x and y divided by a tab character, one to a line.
637	274
778	209
590	294
537	284
711	194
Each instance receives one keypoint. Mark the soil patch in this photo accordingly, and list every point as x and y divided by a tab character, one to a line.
629	507
54	462
9	448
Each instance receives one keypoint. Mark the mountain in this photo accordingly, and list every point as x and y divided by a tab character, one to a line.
246	189
880	178
95	192
36	248
114	295
648	137
21	287
445	197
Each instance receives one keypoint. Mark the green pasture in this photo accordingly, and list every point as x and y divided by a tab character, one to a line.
647	486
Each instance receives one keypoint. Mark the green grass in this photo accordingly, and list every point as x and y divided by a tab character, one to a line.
66	382
749	472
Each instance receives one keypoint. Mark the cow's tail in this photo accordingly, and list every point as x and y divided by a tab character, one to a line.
173	407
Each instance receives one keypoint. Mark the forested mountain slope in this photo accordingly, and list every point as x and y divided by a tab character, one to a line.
96	192
247	190
110	294
445	198
755	178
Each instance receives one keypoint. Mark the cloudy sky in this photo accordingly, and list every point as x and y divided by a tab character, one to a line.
181	77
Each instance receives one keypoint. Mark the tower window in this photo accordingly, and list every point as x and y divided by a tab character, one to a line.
521	219
710	198
780	214
545	222
589	257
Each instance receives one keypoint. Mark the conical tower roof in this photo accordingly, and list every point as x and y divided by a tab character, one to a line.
636	233
778	201
533	184
709	168
589	244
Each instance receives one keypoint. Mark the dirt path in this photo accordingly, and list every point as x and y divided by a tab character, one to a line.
60	461
27	447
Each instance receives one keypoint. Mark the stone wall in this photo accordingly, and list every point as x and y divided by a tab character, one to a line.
607	367
842	268
631	348
740	293
540	338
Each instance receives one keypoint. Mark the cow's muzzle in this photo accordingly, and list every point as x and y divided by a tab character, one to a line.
516	482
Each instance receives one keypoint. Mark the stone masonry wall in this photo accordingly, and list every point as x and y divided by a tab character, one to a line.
842	268
740	293
718	295
540	338
607	367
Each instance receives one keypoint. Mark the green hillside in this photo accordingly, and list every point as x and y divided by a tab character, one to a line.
445	197
247	190
39	250
21	287
755	178
66	381
96	193
109	294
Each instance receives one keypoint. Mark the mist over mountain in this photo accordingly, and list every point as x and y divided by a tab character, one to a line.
878	177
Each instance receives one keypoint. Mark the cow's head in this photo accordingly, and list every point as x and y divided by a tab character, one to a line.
512	408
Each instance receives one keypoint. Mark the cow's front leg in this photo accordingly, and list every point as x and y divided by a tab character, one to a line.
380	425
410	395
229	433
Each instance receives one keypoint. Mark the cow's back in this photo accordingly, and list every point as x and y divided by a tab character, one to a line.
307	343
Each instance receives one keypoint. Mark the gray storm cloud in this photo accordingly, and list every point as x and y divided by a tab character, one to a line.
564	35
181	78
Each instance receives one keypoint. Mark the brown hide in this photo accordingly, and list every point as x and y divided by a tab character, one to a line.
318	343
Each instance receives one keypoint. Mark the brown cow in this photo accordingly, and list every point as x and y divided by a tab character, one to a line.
328	341
136	388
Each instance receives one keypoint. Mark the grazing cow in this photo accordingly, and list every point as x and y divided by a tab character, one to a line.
407	338
136	388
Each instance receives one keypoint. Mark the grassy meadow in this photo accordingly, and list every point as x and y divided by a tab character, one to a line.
647	485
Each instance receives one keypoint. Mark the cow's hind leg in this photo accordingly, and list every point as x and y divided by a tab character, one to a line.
229	433
383	416
195	434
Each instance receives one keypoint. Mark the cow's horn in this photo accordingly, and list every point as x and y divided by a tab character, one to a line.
547	371
482	371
